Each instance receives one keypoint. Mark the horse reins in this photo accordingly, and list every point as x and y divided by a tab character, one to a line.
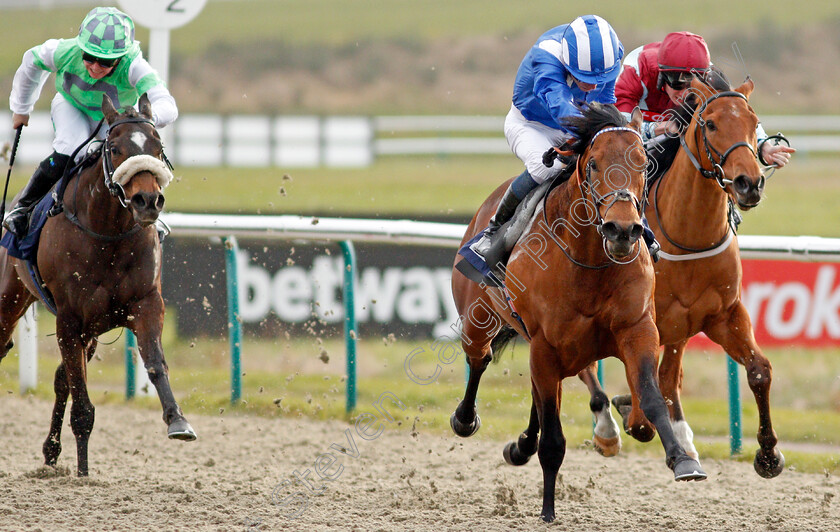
598	200
716	173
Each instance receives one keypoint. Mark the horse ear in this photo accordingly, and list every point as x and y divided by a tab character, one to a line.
108	109
145	106
636	119
746	88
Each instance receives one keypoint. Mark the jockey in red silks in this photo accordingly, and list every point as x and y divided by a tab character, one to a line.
655	77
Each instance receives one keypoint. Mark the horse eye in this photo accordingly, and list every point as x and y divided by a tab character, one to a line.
592	165
711	126
114	150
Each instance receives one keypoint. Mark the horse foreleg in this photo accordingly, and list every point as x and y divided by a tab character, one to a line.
147	325
547	391
518	452
735	336
52	445
640	365
605	436
670	381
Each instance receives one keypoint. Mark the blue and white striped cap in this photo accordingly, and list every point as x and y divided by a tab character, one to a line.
590	50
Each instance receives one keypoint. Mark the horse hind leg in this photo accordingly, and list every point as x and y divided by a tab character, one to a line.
52	445
517	453
465	420
479	338
606	436
14	300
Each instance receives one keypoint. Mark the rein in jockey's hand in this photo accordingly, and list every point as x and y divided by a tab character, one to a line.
777	155
19	120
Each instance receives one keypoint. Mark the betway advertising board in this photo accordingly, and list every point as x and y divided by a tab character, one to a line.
405	291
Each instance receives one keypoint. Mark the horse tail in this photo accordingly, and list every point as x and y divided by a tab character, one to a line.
501	340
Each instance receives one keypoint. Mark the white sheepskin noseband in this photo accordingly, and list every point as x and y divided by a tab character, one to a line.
142	163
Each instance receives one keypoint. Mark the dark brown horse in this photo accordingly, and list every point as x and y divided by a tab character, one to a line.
698	279
101	262
582	284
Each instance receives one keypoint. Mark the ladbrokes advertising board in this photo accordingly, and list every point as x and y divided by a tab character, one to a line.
297	288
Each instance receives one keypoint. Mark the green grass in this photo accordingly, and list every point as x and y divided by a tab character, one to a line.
338	22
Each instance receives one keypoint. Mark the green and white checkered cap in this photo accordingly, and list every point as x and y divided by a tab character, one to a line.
106	32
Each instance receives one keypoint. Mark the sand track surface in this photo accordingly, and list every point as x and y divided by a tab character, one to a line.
401	480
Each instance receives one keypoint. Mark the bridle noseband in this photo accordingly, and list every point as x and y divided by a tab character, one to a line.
587	188
716	172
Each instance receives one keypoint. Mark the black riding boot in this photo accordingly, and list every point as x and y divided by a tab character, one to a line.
46	175
504	212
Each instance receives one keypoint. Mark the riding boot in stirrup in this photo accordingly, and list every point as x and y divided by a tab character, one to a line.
46	175
504	212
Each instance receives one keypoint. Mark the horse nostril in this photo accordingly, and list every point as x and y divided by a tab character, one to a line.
761	183
741	184
137	201
611	231
636	231
159	202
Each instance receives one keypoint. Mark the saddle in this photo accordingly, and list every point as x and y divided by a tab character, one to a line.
490	270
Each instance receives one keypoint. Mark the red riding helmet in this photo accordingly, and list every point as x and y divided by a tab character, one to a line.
683	51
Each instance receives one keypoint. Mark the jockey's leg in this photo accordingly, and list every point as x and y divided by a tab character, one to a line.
518	189
46	175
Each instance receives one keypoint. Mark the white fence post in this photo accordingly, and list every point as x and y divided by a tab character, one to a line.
28	349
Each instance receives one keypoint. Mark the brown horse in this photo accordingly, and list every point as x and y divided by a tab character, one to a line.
698	280
582	285
102	264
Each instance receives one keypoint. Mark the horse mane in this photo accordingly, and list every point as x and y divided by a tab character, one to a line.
593	118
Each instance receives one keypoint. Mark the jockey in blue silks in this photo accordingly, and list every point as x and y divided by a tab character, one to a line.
568	66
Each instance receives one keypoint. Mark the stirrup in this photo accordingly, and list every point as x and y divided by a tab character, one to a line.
17	222
481	246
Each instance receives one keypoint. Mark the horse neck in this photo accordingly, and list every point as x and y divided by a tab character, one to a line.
96	209
690	208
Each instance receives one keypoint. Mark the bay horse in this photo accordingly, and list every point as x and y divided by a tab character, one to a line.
698	280
580	287
101	263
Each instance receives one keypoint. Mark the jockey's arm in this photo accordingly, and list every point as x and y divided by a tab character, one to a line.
164	109
30	78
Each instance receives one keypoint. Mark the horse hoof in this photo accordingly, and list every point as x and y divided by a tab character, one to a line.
607	446
623	403
689	469
548	517
462	429
181	430
513	456
769	467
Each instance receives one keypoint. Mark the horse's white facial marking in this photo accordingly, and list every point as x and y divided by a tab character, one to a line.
139	138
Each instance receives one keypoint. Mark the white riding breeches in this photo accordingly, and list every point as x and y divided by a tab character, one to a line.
529	140
72	127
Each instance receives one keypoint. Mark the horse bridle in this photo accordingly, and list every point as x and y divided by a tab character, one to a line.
716	172
108	168
597	200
